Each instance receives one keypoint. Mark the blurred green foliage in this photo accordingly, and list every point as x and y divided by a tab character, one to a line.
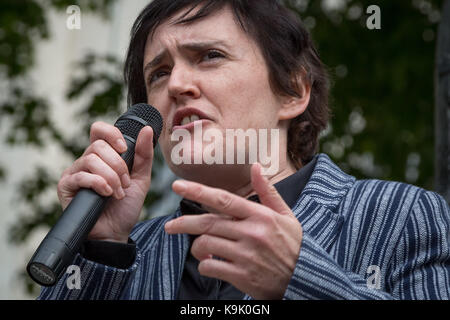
382	92
383	85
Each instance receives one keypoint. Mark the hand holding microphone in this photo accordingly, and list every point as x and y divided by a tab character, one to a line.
103	192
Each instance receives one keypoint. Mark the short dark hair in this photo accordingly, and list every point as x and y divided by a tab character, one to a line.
286	46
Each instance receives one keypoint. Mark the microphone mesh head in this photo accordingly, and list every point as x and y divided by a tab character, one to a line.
138	116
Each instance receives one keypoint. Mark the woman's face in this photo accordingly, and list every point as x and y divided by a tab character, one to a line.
210	72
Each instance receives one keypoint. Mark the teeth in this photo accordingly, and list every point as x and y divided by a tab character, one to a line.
190	119
186	120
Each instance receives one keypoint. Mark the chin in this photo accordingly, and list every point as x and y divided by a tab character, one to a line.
224	176
193	167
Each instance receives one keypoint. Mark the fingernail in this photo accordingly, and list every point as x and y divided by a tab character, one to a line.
180	186
108	190
122	144
120	193
259	169
125	180
261	173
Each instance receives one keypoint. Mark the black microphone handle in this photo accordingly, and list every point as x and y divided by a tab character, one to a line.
62	243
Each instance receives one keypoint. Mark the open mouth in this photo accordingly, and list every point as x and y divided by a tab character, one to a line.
186	116
189	119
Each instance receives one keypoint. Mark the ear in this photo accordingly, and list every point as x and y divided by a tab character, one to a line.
292	107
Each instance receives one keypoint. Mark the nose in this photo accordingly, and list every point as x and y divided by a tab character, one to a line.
182	83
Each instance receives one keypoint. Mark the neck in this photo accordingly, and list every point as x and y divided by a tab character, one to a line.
247	190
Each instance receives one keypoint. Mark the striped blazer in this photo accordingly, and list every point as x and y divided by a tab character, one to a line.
363	239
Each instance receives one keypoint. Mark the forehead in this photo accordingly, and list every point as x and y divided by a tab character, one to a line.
220	25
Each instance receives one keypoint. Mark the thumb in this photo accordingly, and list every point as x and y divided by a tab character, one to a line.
267	193
143	155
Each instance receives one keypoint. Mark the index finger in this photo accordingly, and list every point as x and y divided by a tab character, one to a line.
109	133
220	200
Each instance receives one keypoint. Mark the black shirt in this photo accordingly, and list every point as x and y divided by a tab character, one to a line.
194	286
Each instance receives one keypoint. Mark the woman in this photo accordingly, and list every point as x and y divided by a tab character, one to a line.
306	231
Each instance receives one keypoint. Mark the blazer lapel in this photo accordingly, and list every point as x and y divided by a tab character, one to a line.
171	257
317	207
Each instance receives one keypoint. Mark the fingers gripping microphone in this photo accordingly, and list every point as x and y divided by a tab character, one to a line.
62	243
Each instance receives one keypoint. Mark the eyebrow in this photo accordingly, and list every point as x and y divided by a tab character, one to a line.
193	46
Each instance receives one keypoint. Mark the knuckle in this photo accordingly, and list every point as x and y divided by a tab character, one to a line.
207	223
98	145
103	150
105	130
90	162
200	245
203	241
61	184
96	127
91	158
268	219
178	221
258	235
116	132
99	182
114	178
195	248
119	165
175	224
78	177
224	200
255	280
204	267
197	190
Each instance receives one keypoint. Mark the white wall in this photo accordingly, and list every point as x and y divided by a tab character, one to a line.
54	64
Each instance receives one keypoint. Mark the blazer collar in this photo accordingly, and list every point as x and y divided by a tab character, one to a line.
328	183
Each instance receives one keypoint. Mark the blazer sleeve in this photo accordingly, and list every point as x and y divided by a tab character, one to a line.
419	267
97	281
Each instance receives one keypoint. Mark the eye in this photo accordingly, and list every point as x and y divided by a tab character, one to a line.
212	54
156	75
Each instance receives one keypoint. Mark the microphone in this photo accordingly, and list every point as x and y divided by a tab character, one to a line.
62	243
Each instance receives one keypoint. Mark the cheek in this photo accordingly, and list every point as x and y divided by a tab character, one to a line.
246	102
161	105
164	138
156	100
166	146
